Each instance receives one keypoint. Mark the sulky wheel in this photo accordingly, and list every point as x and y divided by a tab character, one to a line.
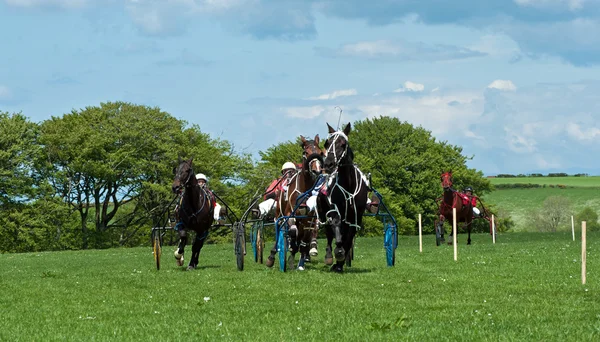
282	247
260	244
239	242
156	248
390	241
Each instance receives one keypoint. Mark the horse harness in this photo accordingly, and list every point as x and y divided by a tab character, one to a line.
332	182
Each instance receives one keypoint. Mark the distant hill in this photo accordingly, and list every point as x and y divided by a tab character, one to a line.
523	195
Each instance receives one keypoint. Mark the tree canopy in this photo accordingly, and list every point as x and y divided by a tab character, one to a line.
101	176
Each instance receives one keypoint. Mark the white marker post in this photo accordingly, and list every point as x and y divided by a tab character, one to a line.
573	227
420	235
493	230
583	252
454	234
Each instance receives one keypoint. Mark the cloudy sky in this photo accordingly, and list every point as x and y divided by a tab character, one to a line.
515	82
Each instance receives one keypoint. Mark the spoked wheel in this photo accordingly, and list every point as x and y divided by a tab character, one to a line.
260	245
239	243
390	241
156	248
282	247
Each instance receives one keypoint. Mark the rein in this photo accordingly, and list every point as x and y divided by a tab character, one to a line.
333	183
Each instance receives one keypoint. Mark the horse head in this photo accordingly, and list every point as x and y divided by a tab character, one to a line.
446	179
337	148
184	175
312	155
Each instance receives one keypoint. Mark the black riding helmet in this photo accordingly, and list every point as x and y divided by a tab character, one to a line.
468	189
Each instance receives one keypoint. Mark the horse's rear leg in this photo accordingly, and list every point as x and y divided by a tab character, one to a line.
271	258
181	247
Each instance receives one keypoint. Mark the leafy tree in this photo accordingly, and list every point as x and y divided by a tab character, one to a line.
18	148
113	164
590	216
408	161
552	215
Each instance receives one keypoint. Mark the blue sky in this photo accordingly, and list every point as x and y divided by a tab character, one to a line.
515	82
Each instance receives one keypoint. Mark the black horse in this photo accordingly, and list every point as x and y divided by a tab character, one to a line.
341	206
195	211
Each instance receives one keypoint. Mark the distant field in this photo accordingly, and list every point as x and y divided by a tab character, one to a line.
521	202
593	181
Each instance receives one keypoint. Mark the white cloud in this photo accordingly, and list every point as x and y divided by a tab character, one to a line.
399	50
304	112
572	5
67	4
334	94
410	86
576	132
506	85
5	93
530	129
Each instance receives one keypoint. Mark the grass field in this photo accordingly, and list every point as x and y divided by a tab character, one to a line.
592	181
526	287
521	202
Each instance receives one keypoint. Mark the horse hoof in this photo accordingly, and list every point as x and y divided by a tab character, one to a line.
340	254
313	252
293	232
300	268
328	261
270	261
336	268
191	268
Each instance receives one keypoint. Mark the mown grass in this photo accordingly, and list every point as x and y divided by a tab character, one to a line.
520	203
526	287
592	181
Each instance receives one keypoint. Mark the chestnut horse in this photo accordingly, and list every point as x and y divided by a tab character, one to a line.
341	205
300	230
451	199
195	211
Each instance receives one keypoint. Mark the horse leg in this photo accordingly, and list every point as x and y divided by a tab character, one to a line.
441	230
180	248
343	243
271	258
328	250
196	247
313	242
469	227
339	251
304	248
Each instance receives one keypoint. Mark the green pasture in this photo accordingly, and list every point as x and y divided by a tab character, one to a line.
520	203
527	287
592	181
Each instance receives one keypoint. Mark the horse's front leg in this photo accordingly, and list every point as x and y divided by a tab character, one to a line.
469	227
196	247
304	247
180	248
328	250
339	252
313	242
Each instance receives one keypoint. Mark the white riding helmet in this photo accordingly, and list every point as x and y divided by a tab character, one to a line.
288	165
201	176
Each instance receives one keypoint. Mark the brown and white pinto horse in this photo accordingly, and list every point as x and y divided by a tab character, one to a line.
452	199
195	211
300	230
